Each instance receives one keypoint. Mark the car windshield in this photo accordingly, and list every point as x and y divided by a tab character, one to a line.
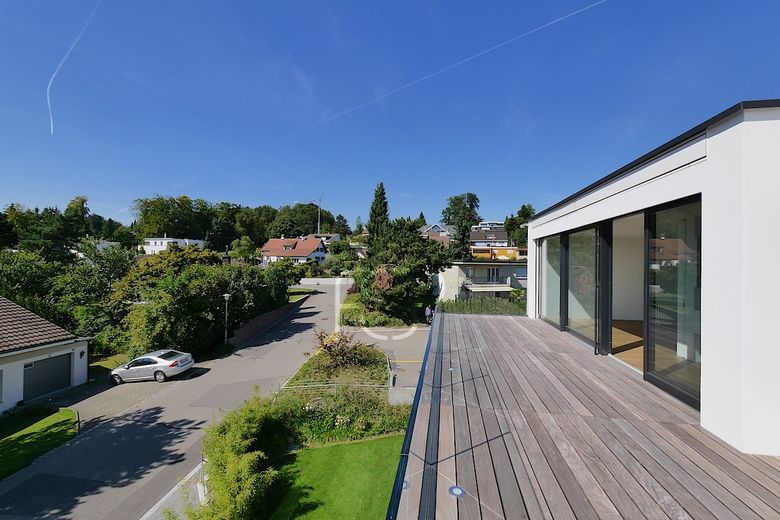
170	354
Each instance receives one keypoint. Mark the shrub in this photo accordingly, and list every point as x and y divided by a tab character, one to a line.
341	349
242	452
354	313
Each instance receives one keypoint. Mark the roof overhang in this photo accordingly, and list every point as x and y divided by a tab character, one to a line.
669	145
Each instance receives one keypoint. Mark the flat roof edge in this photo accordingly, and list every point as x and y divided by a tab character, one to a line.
660	150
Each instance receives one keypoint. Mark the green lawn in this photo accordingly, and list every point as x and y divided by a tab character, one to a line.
345	481
101	367
26	435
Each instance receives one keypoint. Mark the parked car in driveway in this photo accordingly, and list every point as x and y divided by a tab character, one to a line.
158	365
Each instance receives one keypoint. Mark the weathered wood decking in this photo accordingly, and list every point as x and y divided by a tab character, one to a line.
530	424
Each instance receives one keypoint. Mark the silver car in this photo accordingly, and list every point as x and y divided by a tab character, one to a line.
158	365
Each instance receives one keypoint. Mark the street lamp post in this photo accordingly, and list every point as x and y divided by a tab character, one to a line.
227	298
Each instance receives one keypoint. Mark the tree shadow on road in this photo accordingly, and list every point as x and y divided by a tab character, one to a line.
120	452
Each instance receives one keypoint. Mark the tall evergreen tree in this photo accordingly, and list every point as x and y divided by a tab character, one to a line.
379	216
358	225
420	221
341	226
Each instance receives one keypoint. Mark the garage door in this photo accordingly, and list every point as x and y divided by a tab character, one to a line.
46	375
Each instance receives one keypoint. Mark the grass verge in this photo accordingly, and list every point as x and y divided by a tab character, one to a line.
349	481
28	434
293	295
101	367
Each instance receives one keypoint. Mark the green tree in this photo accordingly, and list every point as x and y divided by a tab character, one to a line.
514	225
396	279
341	226
420	220
180	217
8	236
243	249
461	212
378	217
280	275
74	218
358	226
125	236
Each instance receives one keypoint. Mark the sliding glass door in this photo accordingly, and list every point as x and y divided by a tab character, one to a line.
673	354
582	276
551	280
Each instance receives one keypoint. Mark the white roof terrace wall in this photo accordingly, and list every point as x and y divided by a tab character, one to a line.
734	166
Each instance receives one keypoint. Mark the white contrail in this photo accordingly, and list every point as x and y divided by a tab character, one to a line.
62	62
448	67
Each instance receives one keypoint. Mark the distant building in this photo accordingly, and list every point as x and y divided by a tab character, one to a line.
487	225
36	356
299	250
499	253
152	246
439	232
480	278
495	236
326	238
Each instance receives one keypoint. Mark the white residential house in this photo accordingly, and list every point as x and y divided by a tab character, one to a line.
152	246
476	278
299	250
37	357
633	265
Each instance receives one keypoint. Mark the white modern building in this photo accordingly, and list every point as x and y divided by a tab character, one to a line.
36	357
669	264
152	246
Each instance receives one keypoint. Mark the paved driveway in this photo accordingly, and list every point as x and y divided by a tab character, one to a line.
124	464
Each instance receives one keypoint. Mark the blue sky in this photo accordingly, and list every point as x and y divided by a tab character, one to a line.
233	100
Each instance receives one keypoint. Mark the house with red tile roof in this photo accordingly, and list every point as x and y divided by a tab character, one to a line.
299	250
36	356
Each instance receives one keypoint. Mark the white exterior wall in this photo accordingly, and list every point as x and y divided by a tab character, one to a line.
152	246
12	366
734	167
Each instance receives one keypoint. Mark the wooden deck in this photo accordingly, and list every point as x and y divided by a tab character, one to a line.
530	424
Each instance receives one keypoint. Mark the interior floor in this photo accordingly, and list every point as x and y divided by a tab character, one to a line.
628	343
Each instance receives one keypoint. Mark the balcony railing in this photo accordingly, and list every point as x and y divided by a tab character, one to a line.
487	280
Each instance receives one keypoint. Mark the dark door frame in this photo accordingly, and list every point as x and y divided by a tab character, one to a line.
664	384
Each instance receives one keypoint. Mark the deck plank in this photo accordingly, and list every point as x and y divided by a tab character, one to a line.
531	424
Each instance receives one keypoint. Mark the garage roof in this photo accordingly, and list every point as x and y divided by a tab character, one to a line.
21	329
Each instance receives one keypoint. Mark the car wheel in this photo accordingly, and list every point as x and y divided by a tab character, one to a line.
159	376
116	380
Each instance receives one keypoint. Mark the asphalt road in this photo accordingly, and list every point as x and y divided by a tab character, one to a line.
122	466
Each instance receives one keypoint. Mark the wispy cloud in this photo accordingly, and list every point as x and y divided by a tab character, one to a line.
64	59
426	77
